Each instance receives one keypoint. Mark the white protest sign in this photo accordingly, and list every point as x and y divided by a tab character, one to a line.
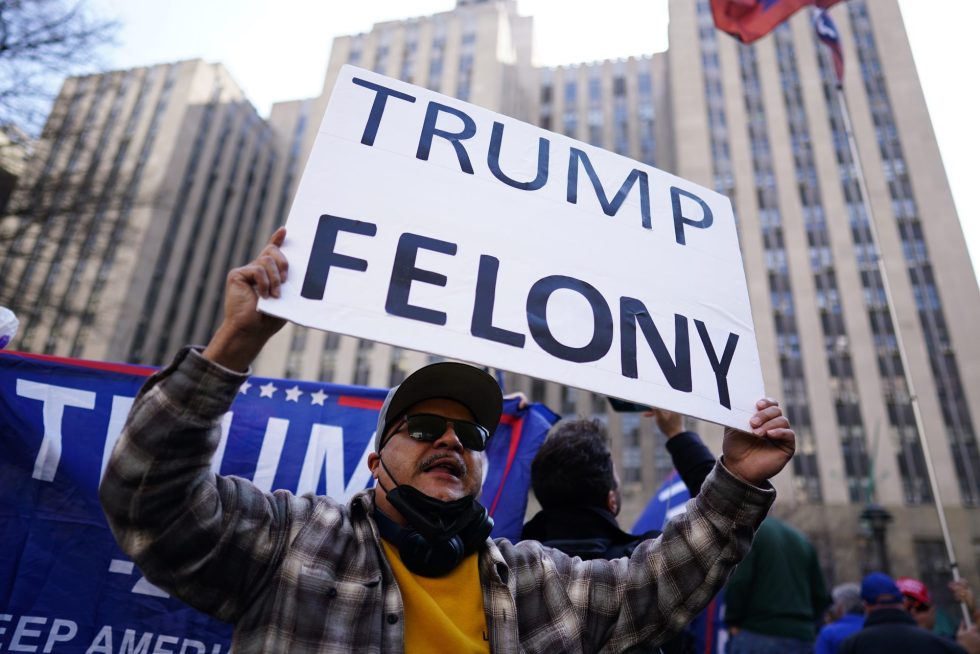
429	223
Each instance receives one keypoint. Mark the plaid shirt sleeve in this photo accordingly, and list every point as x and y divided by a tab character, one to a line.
213	541
569	605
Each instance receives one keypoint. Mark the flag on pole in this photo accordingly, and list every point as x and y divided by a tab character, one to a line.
828	34
750	20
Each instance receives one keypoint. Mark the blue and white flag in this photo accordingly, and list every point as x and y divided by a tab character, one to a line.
827	32
707	629
64	584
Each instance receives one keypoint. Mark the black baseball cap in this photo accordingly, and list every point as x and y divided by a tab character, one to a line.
472	387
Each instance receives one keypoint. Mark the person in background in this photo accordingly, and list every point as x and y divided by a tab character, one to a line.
888	627
918	602
777	595
575	481
574	478
847	617
969	638
963	593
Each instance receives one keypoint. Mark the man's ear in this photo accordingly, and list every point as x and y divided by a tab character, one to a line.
373	460
612	502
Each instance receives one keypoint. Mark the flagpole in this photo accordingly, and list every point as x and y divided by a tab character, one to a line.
903	355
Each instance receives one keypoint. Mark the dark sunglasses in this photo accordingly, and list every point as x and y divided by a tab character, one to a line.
428	428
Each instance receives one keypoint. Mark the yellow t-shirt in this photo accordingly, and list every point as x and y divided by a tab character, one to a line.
442	614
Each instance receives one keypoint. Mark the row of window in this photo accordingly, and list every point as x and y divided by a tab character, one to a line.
806	468
945	370
848	414
48	208
595	115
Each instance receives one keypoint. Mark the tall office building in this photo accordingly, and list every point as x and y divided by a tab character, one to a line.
146	186
15	147
761	124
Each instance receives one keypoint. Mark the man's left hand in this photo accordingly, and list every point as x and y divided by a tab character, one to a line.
759	455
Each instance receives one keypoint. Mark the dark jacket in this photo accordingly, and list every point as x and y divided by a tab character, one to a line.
586	532
691	458
593	533
894	630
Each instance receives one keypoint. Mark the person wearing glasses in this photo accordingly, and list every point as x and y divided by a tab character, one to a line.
407	565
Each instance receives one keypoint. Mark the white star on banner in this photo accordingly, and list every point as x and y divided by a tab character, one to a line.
292	394
318	397
244	387
266	390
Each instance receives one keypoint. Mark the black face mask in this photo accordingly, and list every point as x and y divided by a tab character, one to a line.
442	533
435	519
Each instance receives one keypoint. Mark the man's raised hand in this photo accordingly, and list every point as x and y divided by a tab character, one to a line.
670	423
244	331
758	455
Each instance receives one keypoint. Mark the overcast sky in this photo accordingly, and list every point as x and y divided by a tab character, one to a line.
278	51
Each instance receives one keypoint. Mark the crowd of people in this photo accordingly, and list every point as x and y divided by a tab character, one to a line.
409	565
776	600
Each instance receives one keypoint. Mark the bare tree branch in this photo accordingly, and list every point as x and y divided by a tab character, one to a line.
42	42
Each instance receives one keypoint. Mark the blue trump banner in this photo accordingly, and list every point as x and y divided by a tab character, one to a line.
64	584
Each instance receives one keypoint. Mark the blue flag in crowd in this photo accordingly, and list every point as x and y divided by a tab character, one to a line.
64	584
707	629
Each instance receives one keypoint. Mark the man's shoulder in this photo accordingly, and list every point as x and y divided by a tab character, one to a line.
330	531
319	513
896	637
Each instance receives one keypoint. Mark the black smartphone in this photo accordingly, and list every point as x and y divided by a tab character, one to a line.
622	406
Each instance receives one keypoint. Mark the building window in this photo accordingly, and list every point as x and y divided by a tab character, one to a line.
362	363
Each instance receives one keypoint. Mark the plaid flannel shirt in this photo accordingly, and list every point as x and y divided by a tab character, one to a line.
307	574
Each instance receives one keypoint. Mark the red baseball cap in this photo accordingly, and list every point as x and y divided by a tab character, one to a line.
914	589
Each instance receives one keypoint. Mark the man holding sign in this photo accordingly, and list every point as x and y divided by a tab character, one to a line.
395	236
407	565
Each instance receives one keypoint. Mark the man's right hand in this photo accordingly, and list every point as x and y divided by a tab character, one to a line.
244	331
758	455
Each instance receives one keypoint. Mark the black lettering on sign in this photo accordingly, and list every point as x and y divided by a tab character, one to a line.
602	322
404	272
680	219
323	256
493	161
677	370
721	367
382	93
486	292
429	130
576	156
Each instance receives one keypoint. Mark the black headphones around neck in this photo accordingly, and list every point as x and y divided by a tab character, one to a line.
434	558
